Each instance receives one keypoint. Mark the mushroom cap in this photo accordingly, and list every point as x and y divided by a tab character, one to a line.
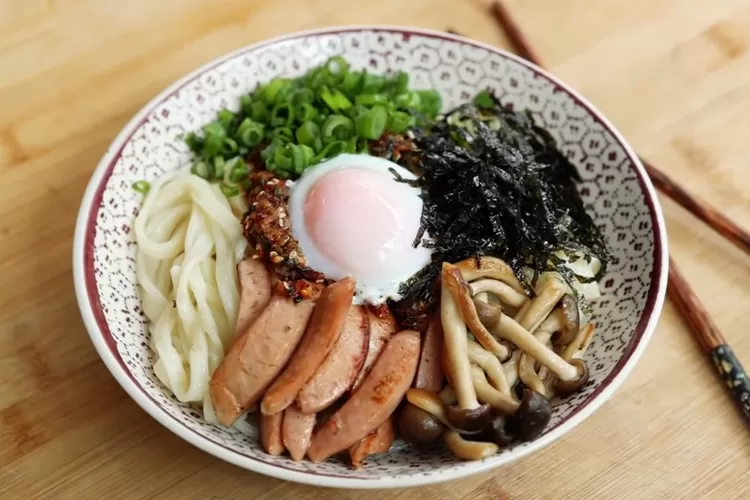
533	415
501	434
489	314
418	426
473	420
563	388
570	320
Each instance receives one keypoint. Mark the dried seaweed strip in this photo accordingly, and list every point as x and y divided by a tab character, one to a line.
494	183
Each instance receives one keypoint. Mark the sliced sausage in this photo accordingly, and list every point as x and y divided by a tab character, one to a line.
382	326
374	401
255	292
378	441
257	357
337	373
270	434
296	431
430	374
322	333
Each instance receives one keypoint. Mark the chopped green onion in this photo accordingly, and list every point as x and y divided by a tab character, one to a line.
194	142
307	133
335	99
338	67
398	121
305	111
371	99
484	100
214	139
230	146
337	127
246	103
141	187
331	150
201	169
250	132
219	167
401	82
258	112
409	100
237	168
229	191
274	90
303	95
431	102
282	115
225	118
371	125
352	82
372	84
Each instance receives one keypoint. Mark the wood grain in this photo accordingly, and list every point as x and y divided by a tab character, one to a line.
674	76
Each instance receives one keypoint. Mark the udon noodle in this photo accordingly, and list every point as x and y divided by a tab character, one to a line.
189	241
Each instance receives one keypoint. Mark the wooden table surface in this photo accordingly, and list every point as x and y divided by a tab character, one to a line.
673	75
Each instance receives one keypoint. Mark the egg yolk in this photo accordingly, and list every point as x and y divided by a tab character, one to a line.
364	221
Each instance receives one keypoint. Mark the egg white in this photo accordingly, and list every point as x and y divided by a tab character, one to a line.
368	290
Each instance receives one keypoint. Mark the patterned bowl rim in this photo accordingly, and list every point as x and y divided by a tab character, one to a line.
96	325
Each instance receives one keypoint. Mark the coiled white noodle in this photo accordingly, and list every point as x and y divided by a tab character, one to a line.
189	241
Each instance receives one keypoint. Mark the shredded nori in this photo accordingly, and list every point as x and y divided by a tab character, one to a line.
494	183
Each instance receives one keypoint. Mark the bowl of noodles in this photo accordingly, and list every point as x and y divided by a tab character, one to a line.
370	257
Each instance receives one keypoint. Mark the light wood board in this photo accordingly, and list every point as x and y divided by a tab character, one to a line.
673	75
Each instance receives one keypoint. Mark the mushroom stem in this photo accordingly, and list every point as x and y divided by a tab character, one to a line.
505	293
511	367
468	450
491	396
542	305
505	327
490	267
459	289
579	343
448	395
492	367
526	368
455	349
431	403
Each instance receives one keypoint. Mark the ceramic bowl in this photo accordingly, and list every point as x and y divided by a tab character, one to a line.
615	188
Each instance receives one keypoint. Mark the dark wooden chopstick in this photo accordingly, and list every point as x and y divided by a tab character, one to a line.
705	331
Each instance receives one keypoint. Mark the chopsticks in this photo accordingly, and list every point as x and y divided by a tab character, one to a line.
704	330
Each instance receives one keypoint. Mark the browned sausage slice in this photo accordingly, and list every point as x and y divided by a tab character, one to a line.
257	357
322	333
378	441
255	292
342	365
374	401
296	431
382	326
430	374
270	434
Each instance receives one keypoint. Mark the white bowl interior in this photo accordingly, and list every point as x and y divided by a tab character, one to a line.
613	189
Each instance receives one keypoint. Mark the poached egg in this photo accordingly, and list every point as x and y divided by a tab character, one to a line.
352	217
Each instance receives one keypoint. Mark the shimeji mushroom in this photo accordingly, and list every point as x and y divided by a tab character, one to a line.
533	415
491	365
505	293
468	450
510	367
572	375
540	306
570	321
498	401
490	267
453	282
526	370
434	405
